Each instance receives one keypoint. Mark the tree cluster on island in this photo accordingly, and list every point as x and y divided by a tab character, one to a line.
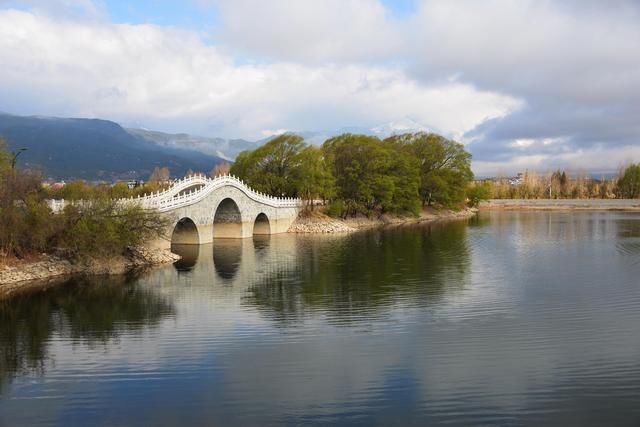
361	174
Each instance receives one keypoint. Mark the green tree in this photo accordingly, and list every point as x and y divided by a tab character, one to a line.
405	172
286	166
360	164
76	190
629	183
312	178
372	175
273	167
120	190
445	167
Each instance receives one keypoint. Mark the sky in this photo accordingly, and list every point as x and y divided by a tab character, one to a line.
528	84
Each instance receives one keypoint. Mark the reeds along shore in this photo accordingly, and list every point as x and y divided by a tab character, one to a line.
564	185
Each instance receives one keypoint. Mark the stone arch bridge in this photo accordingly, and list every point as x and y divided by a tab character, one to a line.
202	208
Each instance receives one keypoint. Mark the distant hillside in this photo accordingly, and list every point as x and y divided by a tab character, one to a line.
94	149
224	148
230	148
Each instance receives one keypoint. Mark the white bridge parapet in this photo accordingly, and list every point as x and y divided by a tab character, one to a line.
202	208
177	196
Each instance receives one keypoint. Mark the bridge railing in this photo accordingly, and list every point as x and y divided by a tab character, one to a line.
177	195
176	187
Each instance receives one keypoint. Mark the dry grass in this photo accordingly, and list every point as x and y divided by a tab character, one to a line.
13	261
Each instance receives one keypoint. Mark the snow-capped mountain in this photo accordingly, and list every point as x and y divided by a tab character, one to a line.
404	125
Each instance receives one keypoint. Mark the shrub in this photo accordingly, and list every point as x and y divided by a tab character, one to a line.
337	209
629	183
104	228
478	192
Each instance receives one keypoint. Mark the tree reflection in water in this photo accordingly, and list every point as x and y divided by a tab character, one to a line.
354	277
92	311
349	277
629	238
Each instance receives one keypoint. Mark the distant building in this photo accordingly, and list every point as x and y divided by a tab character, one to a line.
57	185
135	183
516	180
131	184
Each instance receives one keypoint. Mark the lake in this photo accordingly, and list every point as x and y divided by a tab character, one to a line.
510	318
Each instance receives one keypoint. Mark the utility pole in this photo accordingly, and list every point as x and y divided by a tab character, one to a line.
15	157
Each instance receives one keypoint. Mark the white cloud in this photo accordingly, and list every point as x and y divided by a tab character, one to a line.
169	78
599	159
515	80
309	30
528	142
270	132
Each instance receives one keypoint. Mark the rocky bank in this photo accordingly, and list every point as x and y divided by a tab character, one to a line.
317	222
22	275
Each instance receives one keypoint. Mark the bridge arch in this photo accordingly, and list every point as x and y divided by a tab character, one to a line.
261	225
185	232
227	221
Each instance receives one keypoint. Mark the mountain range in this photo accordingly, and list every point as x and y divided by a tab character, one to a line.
102	150
92	149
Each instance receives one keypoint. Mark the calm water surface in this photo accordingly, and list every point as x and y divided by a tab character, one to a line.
511	318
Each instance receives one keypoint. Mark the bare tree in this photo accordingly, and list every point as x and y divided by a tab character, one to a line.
160	175
220	169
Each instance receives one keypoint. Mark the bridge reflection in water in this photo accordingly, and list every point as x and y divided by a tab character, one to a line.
347	276
237	261
189	254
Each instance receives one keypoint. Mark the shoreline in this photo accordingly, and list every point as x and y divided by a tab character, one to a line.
49	270
318	223
627	205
